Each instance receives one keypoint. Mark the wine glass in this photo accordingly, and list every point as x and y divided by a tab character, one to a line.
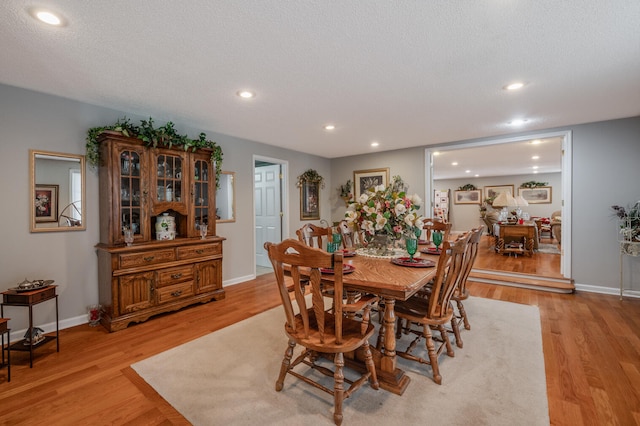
128	237
412	247
337	239
437	239
418	232
203	231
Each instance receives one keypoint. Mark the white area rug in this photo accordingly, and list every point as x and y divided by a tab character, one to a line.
228	377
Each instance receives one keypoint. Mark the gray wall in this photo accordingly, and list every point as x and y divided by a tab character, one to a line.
31	120
605	172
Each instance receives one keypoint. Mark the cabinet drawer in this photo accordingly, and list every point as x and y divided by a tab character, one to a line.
147	258
173	292
201	250
172	276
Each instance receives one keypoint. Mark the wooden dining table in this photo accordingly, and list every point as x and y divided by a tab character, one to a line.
390	282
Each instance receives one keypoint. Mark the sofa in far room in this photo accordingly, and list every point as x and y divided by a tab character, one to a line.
556	225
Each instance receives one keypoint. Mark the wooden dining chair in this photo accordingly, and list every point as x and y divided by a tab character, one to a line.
431	225
318	331
461	292
421	314
349	235
314	236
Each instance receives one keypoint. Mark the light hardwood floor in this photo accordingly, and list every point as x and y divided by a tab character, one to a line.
591	351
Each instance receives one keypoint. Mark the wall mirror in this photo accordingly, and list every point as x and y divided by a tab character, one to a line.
57	191
226	198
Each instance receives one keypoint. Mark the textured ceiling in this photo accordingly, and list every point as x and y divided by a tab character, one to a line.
403	73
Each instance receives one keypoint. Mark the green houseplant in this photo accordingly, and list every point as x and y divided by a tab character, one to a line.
165	136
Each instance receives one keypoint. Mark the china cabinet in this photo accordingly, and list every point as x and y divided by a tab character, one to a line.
164	269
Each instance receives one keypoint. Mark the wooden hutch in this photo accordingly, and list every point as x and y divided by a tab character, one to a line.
149	277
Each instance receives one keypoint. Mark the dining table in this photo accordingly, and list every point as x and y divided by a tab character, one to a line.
390	282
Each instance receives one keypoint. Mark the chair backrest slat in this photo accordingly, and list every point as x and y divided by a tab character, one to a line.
470	258
431	225
449	269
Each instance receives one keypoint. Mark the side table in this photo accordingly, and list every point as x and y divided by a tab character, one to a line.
4	329
30	299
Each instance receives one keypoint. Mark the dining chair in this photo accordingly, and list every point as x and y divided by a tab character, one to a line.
461	292
314	236
349	235
421	314
431	225
318	331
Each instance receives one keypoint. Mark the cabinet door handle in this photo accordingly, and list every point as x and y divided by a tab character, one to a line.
176	276
149	258
176	293
200	251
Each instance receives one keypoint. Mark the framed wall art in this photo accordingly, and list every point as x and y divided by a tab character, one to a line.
310	200
46	203
468	197
537	195
491	192
365	179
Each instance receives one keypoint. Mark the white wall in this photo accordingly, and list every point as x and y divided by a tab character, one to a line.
466	216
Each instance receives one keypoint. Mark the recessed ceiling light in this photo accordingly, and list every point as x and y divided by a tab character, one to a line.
329	127
517	122
455	163
535	167
47	17
476	175
246	94
436	153
535	157
535	171
374	144
536	141
467	171
514	86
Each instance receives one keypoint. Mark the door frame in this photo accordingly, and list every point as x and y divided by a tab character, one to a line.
284	197
566	177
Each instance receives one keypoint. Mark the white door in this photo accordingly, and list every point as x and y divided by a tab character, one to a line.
268	209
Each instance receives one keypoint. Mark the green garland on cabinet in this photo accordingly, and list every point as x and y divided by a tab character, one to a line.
165	136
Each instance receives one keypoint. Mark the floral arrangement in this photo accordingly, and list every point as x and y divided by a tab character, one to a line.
629	221
310	176
345	190
468	187
383	210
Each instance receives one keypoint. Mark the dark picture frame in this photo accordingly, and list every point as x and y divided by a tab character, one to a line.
468	197
365	179
46	203
537	195
310	201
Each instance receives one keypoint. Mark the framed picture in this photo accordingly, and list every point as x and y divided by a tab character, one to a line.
493	191
537	195
46	203
365	179
310	201
468	197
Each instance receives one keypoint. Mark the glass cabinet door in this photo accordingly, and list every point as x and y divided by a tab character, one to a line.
203	201
132	191
169	170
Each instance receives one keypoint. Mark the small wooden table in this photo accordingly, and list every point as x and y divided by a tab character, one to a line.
4	329
525	236
30	299
390	282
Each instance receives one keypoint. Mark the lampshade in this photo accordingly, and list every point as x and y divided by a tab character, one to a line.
504	199
521	201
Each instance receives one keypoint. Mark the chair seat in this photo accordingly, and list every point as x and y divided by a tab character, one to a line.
414	309
352	336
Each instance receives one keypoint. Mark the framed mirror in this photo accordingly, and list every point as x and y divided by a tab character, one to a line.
57	184
226	198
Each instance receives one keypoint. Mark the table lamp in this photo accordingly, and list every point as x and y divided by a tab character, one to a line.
520	201
504	200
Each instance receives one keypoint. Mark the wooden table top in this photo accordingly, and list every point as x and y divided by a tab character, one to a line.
383	278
